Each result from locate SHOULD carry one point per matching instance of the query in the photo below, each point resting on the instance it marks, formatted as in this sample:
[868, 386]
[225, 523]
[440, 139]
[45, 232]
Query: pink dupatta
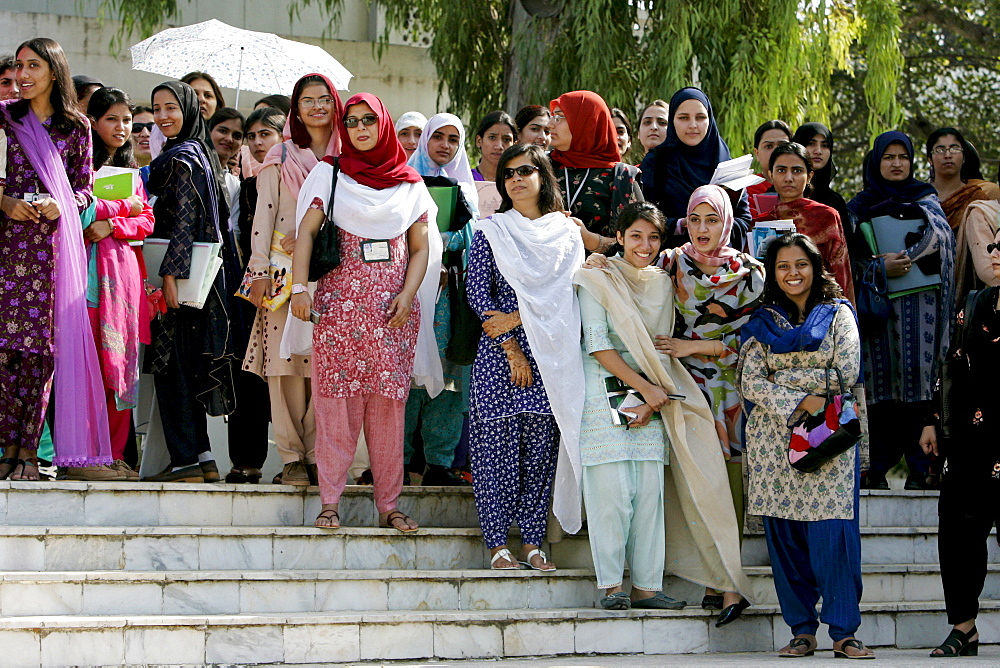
[81, 435]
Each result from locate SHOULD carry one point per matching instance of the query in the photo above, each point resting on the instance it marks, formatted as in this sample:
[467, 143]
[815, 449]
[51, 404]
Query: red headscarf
[383, 166]
[595, 142]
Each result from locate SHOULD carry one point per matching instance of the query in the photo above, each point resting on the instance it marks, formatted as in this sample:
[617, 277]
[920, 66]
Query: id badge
[375, 250]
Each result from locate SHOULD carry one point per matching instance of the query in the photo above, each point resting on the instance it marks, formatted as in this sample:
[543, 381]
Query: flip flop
[390, 519]
[527, 561]
[329, 514]
[504, 554]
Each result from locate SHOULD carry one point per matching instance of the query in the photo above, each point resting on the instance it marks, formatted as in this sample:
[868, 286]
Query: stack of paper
[205, 264]
[115, 182]
[735, 174]
[762, 233]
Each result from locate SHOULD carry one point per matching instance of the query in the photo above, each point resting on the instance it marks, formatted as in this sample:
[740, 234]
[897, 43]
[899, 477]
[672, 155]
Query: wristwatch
[298, 288]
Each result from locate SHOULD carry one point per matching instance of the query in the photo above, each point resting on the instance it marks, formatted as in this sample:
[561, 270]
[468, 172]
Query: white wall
[405, 78]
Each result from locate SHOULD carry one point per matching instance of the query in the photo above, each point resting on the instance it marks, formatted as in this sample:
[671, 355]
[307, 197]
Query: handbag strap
[333, 188]
[875, 276]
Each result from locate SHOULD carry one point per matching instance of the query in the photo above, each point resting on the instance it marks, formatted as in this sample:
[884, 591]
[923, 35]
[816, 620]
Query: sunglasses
[366, 120]
[992, 247]
[138, 127]
[524, 171]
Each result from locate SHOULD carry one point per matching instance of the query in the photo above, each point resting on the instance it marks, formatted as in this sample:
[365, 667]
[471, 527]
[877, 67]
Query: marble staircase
[111, 573]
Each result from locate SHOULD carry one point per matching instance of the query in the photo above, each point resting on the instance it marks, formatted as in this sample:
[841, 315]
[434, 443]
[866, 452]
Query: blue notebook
[891, 237]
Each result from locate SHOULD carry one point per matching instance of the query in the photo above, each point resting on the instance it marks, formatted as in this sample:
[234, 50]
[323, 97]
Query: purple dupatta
[81, 435]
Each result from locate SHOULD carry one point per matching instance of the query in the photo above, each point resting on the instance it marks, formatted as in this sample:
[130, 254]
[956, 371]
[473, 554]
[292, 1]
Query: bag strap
[333, 188]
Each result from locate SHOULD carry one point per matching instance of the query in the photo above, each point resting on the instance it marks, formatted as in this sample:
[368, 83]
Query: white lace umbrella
[236, 58]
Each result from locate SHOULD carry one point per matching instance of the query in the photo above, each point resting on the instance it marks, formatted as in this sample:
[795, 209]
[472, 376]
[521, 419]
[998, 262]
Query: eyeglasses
[310, 102]
[992, 247]
[366, 120]
[558, 118]
[941, 150]
[139, 127]
[524, 171]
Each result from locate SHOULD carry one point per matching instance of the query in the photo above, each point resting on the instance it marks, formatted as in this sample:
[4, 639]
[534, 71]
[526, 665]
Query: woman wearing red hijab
[595, 183]
[375, 310]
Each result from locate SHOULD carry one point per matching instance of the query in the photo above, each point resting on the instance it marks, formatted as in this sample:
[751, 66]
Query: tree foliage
[861, 66]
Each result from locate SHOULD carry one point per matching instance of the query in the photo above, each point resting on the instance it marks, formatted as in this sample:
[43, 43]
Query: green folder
[446, 199]
[115, 183]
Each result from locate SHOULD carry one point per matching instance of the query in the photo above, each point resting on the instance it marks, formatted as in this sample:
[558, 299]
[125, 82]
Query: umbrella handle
[239, 79]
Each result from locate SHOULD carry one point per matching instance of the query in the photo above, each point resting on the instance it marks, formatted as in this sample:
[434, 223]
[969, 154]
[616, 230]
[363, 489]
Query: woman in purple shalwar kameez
[44, 331]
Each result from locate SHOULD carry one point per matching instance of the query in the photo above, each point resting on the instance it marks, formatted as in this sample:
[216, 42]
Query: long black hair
[549, 197]
[495, 118]
[799, 151]
[527, 114]
[824, 287]
[65, 116]
[100, 102]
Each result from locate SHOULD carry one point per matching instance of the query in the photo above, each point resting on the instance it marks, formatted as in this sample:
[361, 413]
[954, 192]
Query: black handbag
[326, 246]
[874, 309]
[840, 424]
[466, 327]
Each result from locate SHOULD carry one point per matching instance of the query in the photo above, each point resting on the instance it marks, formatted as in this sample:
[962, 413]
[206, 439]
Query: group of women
[681, 332]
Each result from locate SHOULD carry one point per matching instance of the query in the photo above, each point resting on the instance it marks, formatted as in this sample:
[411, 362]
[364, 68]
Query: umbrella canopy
[236, 58]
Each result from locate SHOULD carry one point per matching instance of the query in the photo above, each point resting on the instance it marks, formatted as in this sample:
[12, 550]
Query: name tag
[375, 250]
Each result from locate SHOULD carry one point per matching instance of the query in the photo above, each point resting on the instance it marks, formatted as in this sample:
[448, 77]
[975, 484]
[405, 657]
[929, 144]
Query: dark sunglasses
[992, 247]
[524, 171]
[366, 120]
[138, 127]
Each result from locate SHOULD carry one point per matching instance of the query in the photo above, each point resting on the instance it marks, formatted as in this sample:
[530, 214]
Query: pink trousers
[338, 426]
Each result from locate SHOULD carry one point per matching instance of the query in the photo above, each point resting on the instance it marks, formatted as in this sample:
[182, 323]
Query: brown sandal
[395, 516]
[328, 514]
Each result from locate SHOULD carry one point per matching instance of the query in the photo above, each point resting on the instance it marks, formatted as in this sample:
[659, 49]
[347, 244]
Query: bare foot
[26, 469]
[328, 517]
[801, 645]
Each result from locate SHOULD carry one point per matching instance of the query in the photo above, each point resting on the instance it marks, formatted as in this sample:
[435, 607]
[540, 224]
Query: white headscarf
[411, 119]
[457, 168]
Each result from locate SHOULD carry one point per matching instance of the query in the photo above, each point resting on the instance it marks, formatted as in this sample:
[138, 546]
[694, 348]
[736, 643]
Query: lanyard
[577, 193]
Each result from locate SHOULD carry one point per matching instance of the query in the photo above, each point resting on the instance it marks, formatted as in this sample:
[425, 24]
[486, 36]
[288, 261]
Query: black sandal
[329, 514]
[958, 644]
[711, 602]
[392, 517]
[792, 651]
[856, 644]
[12, 462]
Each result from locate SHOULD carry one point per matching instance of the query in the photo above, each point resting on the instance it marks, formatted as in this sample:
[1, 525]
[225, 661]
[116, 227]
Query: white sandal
[527, 561]
[504, 554]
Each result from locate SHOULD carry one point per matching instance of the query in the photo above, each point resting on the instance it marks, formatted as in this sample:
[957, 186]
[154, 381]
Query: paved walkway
[989, 655]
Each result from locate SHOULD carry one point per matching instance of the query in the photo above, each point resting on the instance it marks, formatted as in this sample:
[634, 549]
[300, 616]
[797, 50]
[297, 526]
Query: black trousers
[894, 429]
[968, 509]
[248, 423]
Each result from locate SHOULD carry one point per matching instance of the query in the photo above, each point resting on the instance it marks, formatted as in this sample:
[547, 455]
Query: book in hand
[763, 232]
[893, 235]
[736, 174]
[113, 183]
[205, 264]
[621, 396]
[280, 273]
[764, 202]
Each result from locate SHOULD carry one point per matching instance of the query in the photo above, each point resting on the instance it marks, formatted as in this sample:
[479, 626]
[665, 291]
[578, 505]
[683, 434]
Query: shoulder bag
[817, 439]
[326, 246]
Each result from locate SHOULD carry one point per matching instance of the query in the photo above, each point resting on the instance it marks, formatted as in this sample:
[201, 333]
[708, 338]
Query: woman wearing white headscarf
[409, 127]
[442, 161]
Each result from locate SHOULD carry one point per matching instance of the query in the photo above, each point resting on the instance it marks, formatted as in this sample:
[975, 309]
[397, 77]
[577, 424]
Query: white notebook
[205, 264]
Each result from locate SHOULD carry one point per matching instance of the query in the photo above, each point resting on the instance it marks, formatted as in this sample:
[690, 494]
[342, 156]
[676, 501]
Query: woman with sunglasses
[970, 491]
[520, 283]
[309, 135]
[595, 183]
[375, 310]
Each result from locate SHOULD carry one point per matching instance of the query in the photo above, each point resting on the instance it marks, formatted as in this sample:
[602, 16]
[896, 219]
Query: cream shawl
[703, 542]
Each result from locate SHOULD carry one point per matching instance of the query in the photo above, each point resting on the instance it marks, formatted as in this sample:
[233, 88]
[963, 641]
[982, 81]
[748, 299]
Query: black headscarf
[673, 170]
[878, 190]
[821, 190]
[194, 127]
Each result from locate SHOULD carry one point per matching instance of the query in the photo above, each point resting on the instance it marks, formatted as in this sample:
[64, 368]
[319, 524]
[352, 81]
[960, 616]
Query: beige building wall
[404, 78]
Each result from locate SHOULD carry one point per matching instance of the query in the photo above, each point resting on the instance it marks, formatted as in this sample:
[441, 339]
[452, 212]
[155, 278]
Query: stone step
[103, 548]
[175, 504]
[309, 638]
[63, 503]
[246, 592]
